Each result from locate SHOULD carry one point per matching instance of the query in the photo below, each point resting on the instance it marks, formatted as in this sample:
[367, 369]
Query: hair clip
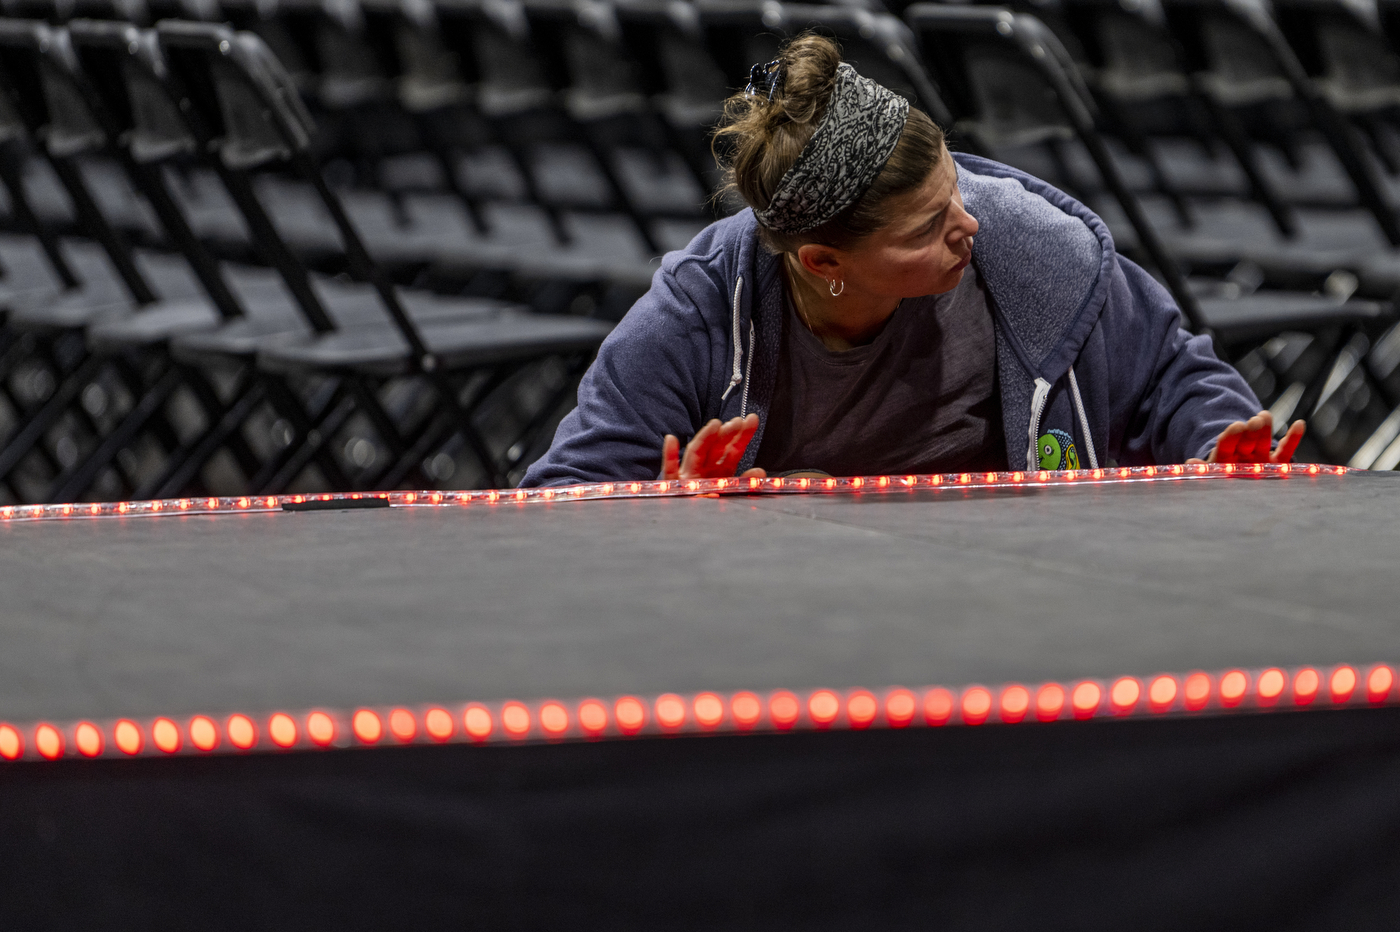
[765, 77]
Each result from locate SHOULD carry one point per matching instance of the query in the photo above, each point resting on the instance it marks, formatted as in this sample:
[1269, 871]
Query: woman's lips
[964, 263]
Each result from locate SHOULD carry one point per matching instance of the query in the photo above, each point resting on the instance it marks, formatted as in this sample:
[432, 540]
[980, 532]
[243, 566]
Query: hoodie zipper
[748, 367]
[1042, 392]
[738, 375]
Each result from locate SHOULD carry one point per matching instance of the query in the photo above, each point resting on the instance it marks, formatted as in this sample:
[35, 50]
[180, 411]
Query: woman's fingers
[1289, 443]
[758, 472]
[1227, 443]
[671, 457]
[716, 451]
[697, 452]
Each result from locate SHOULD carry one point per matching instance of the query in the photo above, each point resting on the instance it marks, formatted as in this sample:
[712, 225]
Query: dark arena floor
[950, 702]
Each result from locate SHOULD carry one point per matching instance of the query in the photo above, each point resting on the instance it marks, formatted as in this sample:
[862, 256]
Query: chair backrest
[1005, 76]
[585, 58]
[668, 44]
[246, 92]
[413, 51]
[496, 52]
[259, 114]
[1129, 49]
[127, 70]
[37, 62]
[1344, 47]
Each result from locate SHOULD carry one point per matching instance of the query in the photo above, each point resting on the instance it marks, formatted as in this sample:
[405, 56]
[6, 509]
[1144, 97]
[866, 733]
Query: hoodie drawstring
[1083, 420]
[737, 375]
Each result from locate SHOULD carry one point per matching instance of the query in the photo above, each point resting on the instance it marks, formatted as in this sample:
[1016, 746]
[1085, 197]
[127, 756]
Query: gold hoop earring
[831, 286]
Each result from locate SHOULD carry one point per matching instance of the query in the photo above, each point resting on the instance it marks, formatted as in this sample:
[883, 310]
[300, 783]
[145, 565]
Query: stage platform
[1160, 698]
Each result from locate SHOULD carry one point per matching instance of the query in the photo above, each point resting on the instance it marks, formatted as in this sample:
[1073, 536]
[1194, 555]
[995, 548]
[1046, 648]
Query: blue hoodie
[1090, 349]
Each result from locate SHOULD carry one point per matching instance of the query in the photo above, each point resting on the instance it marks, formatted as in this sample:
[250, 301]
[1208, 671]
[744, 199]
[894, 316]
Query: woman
[847, 323]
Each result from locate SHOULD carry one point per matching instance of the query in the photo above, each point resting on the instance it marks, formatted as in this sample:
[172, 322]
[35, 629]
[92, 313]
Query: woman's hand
[1252, 442]
[714, 453]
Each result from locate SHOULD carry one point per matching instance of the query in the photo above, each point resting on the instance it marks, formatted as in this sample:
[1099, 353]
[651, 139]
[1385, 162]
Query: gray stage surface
[106, 617]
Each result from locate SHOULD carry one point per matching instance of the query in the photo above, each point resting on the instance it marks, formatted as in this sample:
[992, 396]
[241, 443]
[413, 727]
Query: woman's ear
[822, 261]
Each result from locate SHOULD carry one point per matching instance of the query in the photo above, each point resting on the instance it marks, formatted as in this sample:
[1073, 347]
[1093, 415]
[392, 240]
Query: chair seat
[153, 324]
[493, 339]
[73, 309]
[1265, 313]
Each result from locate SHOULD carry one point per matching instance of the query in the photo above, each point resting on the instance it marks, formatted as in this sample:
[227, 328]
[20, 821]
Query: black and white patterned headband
[857, 133]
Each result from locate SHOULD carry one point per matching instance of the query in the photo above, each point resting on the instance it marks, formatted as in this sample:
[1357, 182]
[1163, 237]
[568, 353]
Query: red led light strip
[513, 722]
[663, 488]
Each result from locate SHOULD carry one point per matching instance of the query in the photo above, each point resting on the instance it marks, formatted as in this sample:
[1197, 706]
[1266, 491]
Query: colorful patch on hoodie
[1056, 450]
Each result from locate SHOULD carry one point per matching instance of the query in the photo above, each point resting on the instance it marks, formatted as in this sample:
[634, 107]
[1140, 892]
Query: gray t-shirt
[920, 398]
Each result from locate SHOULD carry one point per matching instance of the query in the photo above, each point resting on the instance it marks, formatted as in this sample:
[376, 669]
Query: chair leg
[186, 463]
[71, 486]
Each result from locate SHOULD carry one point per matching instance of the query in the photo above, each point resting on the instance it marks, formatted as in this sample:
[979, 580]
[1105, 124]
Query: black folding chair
[463, 350]
[40, 76]
[517, 93]
[1242, 60]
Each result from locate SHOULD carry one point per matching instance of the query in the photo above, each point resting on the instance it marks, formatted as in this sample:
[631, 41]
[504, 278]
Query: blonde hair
[764, 138]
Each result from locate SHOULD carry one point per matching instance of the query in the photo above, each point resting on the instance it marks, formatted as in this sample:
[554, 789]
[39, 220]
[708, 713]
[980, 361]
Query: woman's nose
[964, 224]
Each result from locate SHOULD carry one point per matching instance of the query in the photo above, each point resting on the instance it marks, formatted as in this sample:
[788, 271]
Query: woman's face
[922, 251]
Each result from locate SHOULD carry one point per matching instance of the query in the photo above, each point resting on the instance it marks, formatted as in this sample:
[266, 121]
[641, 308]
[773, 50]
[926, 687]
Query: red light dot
[782, 709]
[477, 722]
[965, 478]
[1197, 691]
[1085, 699]
[402, 725]
[1233, 686]
[899, 708]
[670, 711]
[938, 706]
[1378, 683]
[1270, 686]
[1049, 702]
[366, 726]
[857, 482]
[48, 742]
[830, 483]
[1161, 693]
[1015, 703]
[1125, 694]
[991, 477]
[592, 716]
[1342, 684]
[320, 728]
[11, 743]
[746, 708]
[823, 707]
[127, 737]
[777, 483]
[861, 708]
[242, 733]
[282, 729]
[882, 481]
[1305, 686]
[438, 724]
[630, 715]
[1042, 476]
[976, 705]
[95, 509]
[554, 718]
[515, 719]
[165, 735]
[753, 483]
[709, 710]
[88, 739]
[203, 733]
